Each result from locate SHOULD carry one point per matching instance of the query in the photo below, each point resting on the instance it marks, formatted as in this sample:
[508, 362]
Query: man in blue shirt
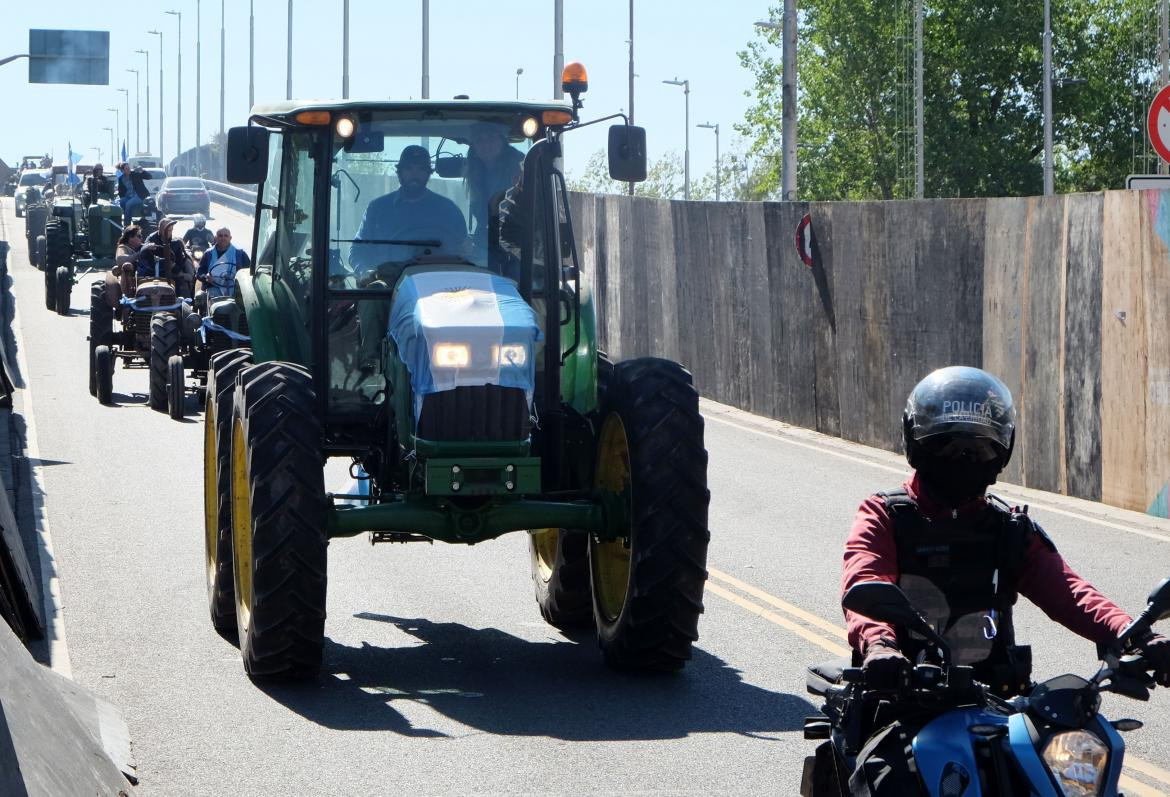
[217, 269]
[408, 222]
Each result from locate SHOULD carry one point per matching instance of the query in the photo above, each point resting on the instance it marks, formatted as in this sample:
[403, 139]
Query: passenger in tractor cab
[126, 258]
[217, 269]
[411, 213]
[492, 168]
[166, 258]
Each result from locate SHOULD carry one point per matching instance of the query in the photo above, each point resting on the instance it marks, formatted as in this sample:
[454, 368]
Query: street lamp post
[686, 84]
[787, 98]
[113, 152]
[251, 55]
[426, 49]
[519, 72]
[221, 67]
[179, 90]
[198, 79]
[345, 50]
[117, 127]
[288, 87]
[127, 93]
[715, 127]
[137, 113]
[147, 54]
[1048, 180]
[160, 96]
[558, 47]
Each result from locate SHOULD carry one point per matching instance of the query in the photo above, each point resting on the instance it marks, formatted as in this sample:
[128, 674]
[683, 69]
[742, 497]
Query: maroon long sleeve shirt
[1046, 579]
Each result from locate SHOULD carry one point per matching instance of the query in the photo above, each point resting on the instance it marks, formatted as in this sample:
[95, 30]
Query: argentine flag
[464, 328]
[74, 158]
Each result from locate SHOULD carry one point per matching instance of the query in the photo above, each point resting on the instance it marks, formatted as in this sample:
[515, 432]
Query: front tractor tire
[103, 370]
[101, 327]
[64, 290]
[648, 585]
[560, 575]
[58, 254]
[164, 344]
[217, 500]
[278, 522]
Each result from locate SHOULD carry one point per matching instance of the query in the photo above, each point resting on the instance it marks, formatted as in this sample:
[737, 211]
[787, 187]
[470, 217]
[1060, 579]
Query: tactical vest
[961, 573]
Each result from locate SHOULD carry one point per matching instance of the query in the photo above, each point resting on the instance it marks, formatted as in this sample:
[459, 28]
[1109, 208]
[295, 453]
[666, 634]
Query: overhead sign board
[1139, 181]
[69, 56]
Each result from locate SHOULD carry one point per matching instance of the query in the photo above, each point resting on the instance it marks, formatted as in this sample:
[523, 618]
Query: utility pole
[558, 47]
[147, 54]
[1048, 181]
[919, 123]
[160, 96]
[426, 49]
[345, 50]
[630, 188]
[788, 111]
[288, 89]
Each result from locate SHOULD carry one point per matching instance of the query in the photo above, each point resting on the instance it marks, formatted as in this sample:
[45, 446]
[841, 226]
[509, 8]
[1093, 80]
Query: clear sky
[475, 48]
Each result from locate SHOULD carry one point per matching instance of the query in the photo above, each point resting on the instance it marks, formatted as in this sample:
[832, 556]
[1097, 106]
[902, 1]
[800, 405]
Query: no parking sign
[804, 239]
[1158, 123]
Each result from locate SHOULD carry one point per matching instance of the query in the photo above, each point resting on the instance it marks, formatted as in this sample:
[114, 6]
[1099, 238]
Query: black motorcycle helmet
[959, 428]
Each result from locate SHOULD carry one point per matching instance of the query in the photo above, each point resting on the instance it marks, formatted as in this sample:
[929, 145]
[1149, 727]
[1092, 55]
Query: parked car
[37, 178]
[184, 196]
[154, 179]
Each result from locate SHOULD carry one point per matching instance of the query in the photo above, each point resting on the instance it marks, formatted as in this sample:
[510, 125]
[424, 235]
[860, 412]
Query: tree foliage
[982, 96]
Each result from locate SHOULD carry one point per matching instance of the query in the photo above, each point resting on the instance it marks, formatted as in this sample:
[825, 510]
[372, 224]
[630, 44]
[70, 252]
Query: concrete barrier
[1062, 297]
[238, 198]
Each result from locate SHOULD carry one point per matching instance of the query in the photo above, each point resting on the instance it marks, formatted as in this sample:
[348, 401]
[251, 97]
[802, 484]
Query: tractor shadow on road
[498, 683]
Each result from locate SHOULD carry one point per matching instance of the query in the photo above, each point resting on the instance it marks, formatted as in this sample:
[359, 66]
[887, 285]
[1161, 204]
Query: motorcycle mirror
[1158, 604]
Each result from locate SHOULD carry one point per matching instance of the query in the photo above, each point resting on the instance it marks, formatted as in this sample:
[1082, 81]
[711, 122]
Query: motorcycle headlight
[1077, 759]
[510, 354]
[451, 355]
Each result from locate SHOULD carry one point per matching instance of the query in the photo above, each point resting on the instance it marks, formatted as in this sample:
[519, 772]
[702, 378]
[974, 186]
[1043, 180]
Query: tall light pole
[137, 114]
[558, 47]
[221, 67]
[198, 80]
[345, 50]
[631, 185]
[288, 88]
[714, 127]
[251, 55]
[519, 72]
[787, 98]
[686, 84]
[426, 49]
[1048, 181]
[919, 111]
[98, 150]
[160, 97]
[113, 152]
[127, 93]
[147, 54]
[117, 127]
[179, 90]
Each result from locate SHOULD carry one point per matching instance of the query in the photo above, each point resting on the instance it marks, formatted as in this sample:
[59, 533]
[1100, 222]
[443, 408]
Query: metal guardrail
[238, 198]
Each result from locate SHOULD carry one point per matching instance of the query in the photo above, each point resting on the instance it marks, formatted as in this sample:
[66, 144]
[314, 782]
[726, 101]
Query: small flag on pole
[74, 158]
[123, 150]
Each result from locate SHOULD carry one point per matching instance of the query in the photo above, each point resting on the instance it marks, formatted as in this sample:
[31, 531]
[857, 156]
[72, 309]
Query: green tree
[982, 96]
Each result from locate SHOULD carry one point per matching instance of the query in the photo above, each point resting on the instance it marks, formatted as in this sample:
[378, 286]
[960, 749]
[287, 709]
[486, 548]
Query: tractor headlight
[1077, 759]
[451, 355]
[510, 354]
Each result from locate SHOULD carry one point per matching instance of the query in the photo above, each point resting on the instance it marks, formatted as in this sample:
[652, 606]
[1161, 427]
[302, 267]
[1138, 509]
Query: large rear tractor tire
[217, 481]
[103, 368]
[648, 585]
[101, 326]
[164, 343]
[58, 252]
[278, 522]
[64, 290]
[176, 388]
[560, 574]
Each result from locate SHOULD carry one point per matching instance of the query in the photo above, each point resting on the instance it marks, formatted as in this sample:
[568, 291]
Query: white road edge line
[1005, 489]
[50, 584]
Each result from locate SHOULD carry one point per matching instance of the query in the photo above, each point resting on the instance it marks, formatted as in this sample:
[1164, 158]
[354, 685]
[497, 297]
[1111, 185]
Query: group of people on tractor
[160, 255]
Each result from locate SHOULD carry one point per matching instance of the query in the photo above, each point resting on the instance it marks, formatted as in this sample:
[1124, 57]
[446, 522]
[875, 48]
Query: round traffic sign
[1158, 123]
[804, 240]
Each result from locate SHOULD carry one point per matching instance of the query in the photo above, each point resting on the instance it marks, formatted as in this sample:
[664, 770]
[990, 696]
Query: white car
[29, 178]
[154, 179]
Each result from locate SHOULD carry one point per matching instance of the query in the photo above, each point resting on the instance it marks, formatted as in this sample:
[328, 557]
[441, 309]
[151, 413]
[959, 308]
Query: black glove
[1156, 649]
[885, 667]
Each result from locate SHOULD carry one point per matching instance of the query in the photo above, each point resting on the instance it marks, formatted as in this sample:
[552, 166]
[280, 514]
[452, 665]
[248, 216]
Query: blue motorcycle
[1051, 742]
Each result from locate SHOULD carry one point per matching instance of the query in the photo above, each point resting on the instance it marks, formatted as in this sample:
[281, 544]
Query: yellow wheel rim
[611, 560]
[210, 491]
[241, 527]
[545, 543]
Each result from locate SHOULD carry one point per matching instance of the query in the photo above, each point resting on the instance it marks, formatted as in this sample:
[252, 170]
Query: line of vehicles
[151, 327]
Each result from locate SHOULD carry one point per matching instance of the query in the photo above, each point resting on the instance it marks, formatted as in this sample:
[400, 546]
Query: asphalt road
[439, 675]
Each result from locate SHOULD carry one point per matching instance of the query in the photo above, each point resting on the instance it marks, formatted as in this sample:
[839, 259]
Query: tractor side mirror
[450, 166]
[627, 153]
[247, 155]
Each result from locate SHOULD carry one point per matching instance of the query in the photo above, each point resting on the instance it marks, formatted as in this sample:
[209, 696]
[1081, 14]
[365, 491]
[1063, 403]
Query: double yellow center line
[833, 638]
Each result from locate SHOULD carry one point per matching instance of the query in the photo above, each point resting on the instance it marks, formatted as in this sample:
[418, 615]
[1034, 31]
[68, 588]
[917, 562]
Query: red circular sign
[804, 239]
[1158, 123]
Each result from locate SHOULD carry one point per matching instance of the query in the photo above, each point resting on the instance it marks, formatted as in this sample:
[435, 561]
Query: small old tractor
[77, 238]
[35, 216]
[457, 373]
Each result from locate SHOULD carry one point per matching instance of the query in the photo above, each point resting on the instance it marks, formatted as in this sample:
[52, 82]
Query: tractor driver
[167, 258]
[411, 213]
[97, 186]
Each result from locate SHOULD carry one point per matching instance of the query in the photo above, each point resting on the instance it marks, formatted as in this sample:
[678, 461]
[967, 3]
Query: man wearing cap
[166, 258]
[97, 186]
[408, 222]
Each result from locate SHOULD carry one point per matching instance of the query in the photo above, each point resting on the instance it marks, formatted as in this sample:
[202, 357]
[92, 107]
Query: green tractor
[76, 237]
[457, 372]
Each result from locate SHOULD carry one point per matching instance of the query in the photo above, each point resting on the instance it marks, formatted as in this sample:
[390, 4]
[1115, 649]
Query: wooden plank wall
[1062, 297]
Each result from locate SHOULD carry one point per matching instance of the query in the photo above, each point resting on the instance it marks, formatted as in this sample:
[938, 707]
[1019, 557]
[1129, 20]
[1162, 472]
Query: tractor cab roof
[287, 111]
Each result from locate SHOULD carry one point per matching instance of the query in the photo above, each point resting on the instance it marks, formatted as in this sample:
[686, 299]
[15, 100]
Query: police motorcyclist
[198, 238]
[962, 558]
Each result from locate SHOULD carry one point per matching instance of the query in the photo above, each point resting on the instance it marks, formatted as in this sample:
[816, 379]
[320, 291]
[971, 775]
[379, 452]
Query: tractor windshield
[405, 187]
